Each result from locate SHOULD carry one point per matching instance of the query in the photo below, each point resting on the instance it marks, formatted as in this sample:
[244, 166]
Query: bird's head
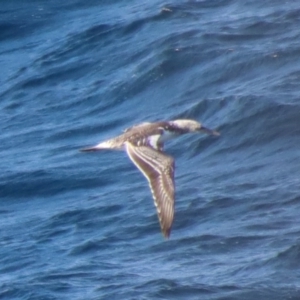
[193, 126]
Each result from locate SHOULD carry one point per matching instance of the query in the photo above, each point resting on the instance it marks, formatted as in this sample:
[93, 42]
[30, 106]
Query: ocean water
[83, 226]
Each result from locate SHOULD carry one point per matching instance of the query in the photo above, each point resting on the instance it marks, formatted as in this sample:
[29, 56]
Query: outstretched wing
[158, 168]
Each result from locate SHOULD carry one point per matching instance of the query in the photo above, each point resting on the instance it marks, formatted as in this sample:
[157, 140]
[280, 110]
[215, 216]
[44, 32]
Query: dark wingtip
[166, 233]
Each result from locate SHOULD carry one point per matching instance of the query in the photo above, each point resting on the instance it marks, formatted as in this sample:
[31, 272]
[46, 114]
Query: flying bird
[144, 144]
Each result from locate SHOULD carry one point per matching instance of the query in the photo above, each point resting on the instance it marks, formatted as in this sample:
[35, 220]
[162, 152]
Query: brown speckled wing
[158, 168]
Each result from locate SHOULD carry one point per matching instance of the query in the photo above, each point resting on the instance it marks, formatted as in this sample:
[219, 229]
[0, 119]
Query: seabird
[143, 144]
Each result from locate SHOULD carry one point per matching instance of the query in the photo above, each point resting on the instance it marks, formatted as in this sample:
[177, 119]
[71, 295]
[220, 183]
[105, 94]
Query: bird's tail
[101, 146]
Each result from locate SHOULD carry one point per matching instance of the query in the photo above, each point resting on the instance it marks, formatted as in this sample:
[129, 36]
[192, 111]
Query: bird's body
[144, 146]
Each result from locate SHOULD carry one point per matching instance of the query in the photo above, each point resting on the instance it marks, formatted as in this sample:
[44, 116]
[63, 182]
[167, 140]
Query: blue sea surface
[83, 226]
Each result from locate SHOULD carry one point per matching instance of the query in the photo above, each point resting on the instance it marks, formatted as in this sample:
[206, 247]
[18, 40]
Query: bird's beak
[209, 131]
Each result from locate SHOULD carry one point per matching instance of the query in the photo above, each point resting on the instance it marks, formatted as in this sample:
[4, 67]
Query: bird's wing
[158, 168]
[137, 125]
